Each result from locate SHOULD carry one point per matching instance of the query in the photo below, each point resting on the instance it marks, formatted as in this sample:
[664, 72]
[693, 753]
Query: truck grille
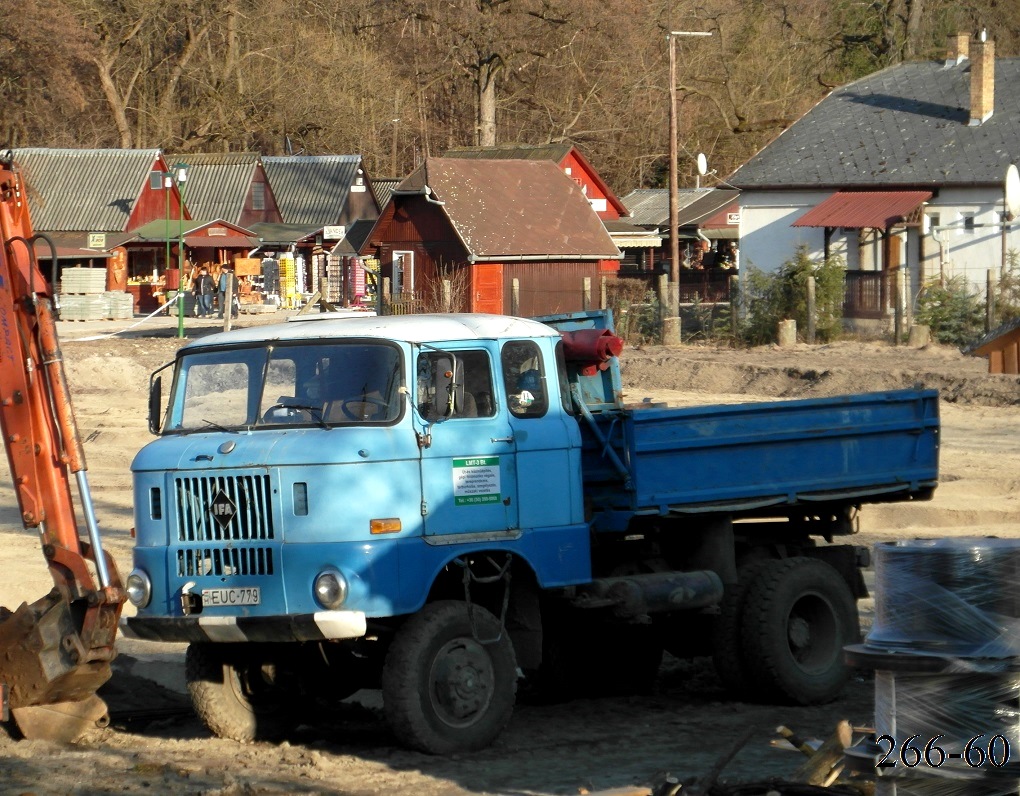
[224, 561]
[224, 508]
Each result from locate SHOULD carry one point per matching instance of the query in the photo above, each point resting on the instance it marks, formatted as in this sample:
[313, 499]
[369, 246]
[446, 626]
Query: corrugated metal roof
[384, 190]
[311, 189]
[282, 234]
[649, 207]
[863, 209]
[218, 183]
[699, 212]
[514, 208]
[84, 189]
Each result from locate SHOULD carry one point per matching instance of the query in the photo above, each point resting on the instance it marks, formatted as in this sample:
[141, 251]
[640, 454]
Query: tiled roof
[906, 125]
[311, 189]
[91, 190]
[514, 208]
[217, 184]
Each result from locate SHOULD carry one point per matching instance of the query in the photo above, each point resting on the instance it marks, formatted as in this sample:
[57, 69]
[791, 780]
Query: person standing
[204, 287]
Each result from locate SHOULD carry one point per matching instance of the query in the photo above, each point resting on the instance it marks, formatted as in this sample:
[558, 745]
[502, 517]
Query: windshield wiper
[218, 427]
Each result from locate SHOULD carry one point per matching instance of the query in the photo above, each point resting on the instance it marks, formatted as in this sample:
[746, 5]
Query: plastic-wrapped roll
[962, 726]
[958, 597]
[925, 787]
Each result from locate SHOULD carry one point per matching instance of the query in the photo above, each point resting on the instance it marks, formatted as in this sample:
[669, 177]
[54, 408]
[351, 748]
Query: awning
[866, 209]
[637, 241]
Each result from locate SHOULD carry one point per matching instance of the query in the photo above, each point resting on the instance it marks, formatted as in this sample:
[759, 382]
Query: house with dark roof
[635, 243]
[322, 190]
[88, 201]
[231, 186]
[900, 172]
[708, 222]
[512, 235]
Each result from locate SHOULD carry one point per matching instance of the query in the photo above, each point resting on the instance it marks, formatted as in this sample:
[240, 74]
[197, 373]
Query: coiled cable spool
[957, 597]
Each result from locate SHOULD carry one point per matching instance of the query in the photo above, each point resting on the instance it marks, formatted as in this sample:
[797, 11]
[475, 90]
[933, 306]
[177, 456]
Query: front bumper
[319, 626]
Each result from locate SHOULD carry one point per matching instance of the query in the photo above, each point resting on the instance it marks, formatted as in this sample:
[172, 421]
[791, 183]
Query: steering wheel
[292, 413]
[364, 408]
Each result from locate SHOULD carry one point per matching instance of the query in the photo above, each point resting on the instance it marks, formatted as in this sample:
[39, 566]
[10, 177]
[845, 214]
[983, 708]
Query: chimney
[982, 81]
[957, 49]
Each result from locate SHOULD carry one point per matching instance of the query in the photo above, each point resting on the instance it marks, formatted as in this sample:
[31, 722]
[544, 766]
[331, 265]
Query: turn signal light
[388, 525]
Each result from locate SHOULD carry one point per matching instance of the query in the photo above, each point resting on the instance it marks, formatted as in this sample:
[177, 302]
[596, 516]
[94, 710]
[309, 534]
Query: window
[402, 278]
[454, 384]
[967, 223]
[155, 180]
[524, 379]
[258, 196]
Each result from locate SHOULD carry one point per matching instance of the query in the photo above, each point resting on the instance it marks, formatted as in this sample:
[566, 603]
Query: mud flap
[46, 663]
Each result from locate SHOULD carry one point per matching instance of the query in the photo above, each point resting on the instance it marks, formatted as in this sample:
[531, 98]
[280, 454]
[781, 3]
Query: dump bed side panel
[747, 456]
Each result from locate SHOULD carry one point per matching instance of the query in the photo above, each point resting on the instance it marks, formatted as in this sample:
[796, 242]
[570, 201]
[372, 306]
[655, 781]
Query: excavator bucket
[52, 674]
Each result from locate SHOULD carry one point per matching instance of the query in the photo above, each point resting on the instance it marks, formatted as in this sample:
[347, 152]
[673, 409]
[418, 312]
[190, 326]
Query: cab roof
[407, 328]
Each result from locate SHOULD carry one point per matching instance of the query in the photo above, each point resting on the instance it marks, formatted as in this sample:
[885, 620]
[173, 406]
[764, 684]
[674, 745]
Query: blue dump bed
[871, 447]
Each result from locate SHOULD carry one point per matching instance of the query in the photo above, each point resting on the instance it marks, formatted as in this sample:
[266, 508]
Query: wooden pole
[989, 300]
[603, 293]
[586, 293]
[515, 297]
[811, 310]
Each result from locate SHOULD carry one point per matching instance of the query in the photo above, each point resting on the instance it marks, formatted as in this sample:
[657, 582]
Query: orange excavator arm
[56, 652]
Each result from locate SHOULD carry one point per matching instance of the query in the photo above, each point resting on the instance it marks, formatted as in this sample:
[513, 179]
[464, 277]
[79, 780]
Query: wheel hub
[462, 682]
[799, 633]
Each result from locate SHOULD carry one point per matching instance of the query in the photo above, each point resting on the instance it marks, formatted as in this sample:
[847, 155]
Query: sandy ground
[682, 726]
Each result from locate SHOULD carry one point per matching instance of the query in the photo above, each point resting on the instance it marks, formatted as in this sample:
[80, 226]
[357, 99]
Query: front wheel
[798, 616]
[233, 695]
[450, 679]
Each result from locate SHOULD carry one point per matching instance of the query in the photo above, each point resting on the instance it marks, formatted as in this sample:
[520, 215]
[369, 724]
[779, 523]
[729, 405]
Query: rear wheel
[728, 632]
[450, 679]
[233, 693]
[799, 615]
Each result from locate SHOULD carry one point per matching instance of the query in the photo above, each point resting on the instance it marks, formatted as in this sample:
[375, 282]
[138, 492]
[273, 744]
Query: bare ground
[155, 744]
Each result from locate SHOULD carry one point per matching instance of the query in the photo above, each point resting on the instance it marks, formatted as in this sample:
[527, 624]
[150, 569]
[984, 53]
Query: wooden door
[487, 288]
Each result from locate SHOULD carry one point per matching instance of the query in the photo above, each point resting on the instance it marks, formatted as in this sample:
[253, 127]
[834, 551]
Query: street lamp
[674, 205]
[180, 175]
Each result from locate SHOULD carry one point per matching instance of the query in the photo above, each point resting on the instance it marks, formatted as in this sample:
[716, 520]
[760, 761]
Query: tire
[444, 691]
[230, 695]
[799, 615]
[728, 633]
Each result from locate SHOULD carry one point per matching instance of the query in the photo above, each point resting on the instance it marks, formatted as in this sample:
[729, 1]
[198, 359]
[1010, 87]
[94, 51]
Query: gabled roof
[512, 208]
[906, 125]
[384, 190]
[557, 153]
[162, 230]
[553, 152]
[218, 183]
[311, 189]
[73, 190]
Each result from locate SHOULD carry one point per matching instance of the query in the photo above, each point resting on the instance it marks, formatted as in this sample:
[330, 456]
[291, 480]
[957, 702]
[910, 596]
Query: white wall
[767, 239]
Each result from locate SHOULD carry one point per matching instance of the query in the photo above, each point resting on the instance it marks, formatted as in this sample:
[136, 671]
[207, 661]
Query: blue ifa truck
[445, 507]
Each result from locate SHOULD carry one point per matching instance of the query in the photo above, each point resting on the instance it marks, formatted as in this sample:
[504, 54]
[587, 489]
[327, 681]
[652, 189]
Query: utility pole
[671, 302]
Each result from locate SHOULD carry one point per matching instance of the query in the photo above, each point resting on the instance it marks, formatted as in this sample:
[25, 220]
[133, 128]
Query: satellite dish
[1012, 191]
[703, 166]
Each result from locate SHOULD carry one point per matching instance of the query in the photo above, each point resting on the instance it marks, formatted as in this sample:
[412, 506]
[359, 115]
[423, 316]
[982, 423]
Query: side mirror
[155, 404]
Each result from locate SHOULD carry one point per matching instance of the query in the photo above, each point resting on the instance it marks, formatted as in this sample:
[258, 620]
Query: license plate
[249, 595]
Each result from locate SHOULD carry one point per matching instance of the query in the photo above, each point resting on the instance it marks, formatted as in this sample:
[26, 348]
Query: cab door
[468, 467]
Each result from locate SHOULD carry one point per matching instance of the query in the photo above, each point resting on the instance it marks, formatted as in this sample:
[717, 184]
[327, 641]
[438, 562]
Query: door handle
[502, 439]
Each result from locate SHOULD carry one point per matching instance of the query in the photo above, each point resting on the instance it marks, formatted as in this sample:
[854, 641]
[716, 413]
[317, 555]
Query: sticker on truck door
[476, 481]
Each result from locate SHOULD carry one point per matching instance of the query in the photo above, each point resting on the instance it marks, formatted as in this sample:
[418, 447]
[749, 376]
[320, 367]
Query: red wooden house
[488, 225]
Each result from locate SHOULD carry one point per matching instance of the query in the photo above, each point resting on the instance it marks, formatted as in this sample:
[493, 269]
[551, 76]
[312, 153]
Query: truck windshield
[288, 384]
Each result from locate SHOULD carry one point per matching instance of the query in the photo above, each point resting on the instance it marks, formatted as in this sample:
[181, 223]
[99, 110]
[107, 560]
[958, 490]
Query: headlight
[139, 588]
[330, 589]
